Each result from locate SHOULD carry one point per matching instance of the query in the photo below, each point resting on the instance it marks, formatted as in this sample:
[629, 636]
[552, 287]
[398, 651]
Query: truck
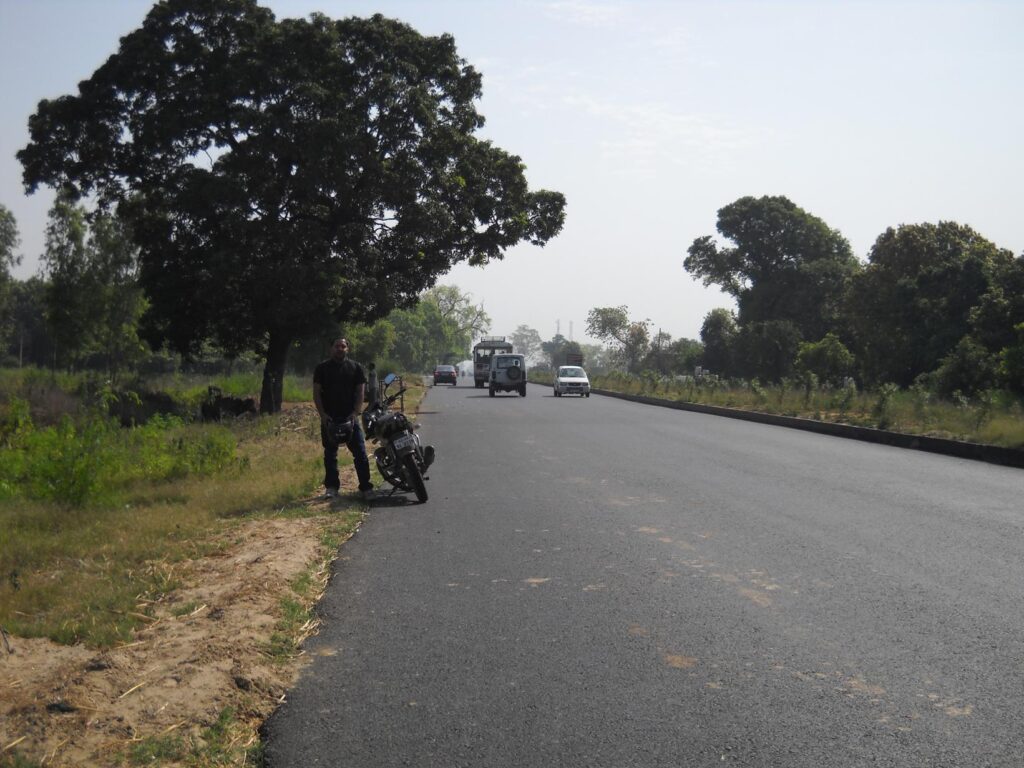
[483, 351]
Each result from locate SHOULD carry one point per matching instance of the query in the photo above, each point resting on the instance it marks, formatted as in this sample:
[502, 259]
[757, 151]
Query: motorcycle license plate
[405, 441]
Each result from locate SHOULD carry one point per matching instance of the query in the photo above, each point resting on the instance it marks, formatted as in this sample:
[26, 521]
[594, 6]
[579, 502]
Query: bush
[1011, 363]
[969, 368]
[827, 359]
[166, 449]
[883, 406]
[88, 462]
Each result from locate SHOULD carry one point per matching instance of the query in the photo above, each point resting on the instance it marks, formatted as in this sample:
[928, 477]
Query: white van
[571, 380]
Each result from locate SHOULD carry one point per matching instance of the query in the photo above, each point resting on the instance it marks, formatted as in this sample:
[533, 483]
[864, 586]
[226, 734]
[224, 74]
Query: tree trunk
[273, 373]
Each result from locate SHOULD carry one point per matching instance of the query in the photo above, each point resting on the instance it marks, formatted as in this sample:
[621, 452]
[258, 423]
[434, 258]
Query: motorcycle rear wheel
[414, 477]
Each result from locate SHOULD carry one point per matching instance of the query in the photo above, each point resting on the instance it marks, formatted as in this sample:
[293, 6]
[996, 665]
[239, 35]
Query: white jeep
[508, 374]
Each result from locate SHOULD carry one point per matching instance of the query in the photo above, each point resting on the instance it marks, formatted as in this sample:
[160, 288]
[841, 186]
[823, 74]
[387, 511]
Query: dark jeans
[357, 447]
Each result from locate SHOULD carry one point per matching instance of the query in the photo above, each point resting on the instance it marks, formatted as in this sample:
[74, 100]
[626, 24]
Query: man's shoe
[331, 493]
[368, 495]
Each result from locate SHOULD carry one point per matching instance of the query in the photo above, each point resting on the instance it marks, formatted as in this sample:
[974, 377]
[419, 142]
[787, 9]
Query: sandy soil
[66, 706]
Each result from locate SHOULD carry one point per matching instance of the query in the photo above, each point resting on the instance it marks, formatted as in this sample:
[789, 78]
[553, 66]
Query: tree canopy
[276, 173]
[438, 329]
[557, 348]
[92, 298]
[718, 334]
[914, 302]
[527, 341]
[786, 264]
[629, 338]
[465, 318]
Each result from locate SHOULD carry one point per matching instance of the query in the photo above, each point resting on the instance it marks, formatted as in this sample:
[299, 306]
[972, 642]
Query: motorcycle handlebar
[399, 393]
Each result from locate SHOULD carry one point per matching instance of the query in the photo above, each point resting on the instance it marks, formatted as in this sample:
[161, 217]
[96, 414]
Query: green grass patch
[158, 749]
[193, 388]
[91, 460]
[284, 641]
[184, 609]
[15, 760]
[217, 744]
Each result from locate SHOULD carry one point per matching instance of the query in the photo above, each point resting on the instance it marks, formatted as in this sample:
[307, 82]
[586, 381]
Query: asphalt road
[595, 582]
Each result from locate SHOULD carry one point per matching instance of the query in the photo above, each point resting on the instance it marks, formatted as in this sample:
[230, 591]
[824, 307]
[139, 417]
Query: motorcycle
[401, 459]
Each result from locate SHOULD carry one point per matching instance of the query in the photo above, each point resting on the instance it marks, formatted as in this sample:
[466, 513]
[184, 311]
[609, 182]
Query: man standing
[338, 388]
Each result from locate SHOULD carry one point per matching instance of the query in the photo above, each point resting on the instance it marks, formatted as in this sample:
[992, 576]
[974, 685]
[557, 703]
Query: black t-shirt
[338, 382]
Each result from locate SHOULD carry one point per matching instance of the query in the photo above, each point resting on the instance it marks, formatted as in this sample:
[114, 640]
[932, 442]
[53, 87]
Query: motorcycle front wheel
[414, 477]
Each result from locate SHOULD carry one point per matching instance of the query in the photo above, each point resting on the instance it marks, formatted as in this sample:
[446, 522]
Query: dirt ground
[71, 706]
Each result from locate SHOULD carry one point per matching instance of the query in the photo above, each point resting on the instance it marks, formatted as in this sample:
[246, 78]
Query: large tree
[718, 333]
[93, 299]
[31, 341]
[685, 355]
[785, 265]
[1001, 309]
[526, 341]
[438, 329]
[119, 298]
[70, 289]
[766, 350]
[279, 172]
[630, 339]
[914, 302]
[558, 348]
[461, 321]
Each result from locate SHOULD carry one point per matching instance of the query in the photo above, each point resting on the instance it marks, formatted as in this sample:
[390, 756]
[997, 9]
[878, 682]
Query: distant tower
[558, 327]
[570, 330]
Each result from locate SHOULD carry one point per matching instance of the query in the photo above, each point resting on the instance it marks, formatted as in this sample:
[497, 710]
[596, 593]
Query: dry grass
[130, 579]
[994, 419]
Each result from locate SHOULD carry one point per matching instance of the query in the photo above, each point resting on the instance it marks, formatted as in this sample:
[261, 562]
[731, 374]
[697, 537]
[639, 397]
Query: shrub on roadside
[79, 463]
[969, 369]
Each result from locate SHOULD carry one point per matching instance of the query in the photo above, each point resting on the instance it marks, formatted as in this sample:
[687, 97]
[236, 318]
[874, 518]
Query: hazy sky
[650, 116]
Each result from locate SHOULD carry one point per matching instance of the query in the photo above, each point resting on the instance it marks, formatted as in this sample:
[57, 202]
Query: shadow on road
[398, 499]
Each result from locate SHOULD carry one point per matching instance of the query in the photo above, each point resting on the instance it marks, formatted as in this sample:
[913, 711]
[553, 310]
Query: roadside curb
[1009, 457]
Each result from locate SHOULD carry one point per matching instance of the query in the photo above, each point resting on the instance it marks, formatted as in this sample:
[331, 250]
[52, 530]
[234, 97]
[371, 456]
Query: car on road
[571, 380]
[508, 374]
[446, 374]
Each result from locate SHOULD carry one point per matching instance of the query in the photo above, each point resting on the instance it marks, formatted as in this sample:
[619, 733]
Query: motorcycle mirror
[389, 379]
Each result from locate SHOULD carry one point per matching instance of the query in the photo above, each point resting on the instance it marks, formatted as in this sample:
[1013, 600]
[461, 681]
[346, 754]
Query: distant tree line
[936, 305]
